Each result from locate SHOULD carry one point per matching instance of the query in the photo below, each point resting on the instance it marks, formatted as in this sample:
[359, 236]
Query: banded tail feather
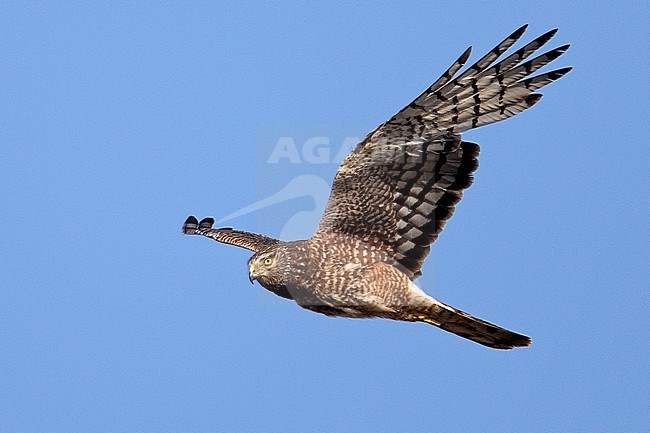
[467, 326]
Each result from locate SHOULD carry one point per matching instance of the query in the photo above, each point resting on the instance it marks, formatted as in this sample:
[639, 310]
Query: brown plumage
[392, 196]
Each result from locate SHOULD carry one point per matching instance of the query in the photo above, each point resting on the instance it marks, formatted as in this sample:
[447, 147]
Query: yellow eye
[268, 261]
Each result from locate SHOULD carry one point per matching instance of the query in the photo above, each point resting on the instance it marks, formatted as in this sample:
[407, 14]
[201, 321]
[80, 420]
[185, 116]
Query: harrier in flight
[392, 196]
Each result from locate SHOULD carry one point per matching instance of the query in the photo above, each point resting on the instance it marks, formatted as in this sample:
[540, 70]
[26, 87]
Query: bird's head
[265, 267]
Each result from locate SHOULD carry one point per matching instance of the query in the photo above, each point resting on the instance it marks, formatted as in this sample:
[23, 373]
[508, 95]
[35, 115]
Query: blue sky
[119, 120]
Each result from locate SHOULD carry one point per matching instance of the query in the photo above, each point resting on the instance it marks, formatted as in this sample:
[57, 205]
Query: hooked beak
[251, 274]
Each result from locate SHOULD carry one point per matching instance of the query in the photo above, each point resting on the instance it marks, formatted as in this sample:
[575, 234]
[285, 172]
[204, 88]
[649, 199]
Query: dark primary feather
[400, 185]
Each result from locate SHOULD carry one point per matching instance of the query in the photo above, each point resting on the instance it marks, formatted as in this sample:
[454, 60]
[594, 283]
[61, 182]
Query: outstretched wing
[250, 241]
[401, 183]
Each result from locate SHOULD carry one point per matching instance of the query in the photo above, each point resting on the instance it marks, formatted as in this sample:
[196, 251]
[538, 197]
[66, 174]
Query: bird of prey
[392, 196]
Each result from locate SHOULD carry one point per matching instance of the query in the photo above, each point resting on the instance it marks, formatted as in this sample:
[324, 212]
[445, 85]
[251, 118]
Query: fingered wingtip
[206, 223]
[563, 49]
[190, 225]
[520, 31]
[541, 40]
[463, 57]
[557, 52]
[533, 99]
[559, 73]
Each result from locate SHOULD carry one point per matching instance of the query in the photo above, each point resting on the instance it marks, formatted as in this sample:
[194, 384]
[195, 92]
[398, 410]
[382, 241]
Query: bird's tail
[460, 323]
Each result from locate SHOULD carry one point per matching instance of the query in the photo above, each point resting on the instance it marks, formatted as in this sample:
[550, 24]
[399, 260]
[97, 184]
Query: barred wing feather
[401, 183]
